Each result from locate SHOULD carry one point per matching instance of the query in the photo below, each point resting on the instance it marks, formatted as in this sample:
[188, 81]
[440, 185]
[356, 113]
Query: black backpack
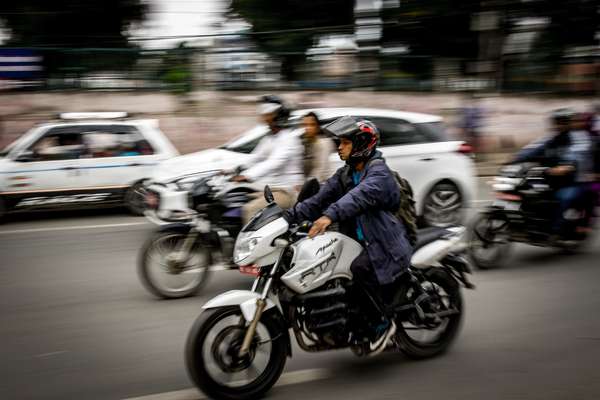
[406, 211]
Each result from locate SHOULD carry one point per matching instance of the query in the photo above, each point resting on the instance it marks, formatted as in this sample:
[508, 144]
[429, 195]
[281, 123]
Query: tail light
[465, 149]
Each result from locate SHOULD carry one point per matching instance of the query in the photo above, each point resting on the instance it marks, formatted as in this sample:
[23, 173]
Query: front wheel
[135, 198]
[167, 273]
[489, 241]
[429, 335]
[213, 361]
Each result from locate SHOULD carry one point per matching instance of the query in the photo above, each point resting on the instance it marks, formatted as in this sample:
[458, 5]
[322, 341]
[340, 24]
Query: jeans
[567, 198]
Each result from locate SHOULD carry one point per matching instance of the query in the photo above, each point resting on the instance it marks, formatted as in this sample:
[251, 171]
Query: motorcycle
[524, 211]
[239, 344]
[198, 220]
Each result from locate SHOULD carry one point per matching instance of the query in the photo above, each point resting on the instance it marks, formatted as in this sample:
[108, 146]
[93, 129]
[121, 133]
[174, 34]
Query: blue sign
[20, 64]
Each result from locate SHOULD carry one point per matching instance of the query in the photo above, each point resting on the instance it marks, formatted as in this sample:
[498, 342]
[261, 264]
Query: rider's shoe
[384, 334]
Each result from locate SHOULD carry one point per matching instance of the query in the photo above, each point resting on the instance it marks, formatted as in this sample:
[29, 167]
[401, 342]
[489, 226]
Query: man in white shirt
[276, 161]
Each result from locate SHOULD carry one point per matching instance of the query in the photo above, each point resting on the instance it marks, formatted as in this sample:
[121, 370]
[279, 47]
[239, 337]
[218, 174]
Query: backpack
[406, 211]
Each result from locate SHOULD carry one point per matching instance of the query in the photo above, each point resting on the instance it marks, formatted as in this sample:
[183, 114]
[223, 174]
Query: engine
[321, 317]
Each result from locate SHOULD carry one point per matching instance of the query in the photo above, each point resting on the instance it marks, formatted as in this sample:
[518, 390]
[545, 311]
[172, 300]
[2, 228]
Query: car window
[247, 141]
[64, 143]
[90, 141]
[114, 141]
[433, 130]
[395, 131]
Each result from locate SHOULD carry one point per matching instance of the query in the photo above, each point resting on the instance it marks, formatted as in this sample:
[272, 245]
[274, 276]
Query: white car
[83, 159]
[441, 172]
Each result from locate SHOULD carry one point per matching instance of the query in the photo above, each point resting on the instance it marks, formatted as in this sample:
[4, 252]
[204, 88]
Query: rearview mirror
[269, 195]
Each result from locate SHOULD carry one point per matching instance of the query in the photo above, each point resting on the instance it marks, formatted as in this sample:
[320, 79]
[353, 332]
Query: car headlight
[244, 246]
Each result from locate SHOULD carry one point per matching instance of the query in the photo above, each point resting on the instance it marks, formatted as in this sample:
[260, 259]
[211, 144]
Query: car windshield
[268, 214]
[247, 141]
[4, 152]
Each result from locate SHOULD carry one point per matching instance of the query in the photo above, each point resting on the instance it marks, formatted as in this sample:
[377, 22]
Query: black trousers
[371, 296]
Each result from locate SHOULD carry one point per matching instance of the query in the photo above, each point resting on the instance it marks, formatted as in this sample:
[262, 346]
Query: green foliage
[277, 15]
[70, 23]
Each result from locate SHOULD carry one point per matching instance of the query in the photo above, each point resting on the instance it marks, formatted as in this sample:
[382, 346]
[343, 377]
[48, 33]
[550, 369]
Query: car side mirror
[269, 195]
[25, 156]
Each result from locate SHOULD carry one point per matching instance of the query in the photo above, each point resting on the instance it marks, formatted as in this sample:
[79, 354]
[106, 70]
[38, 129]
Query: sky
[180, 17]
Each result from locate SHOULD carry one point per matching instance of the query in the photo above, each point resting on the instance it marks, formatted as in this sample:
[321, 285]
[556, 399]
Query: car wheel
[2, 209]
[443, 206]
[135, 198]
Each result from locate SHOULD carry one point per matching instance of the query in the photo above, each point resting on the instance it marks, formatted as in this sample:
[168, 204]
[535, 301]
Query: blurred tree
[70, 23]
[437, 28]
[279, 15]
[74, 24]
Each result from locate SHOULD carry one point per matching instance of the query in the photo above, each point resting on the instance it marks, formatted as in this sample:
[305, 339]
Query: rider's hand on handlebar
[239, 178]
[319, 226]
[561, 170]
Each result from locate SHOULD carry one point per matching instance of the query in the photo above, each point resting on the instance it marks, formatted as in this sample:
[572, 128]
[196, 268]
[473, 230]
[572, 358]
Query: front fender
[243, 298]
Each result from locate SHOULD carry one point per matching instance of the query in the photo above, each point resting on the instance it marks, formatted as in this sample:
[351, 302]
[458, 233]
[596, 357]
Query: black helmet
[562, 115]
[363, 134]
[271, 104]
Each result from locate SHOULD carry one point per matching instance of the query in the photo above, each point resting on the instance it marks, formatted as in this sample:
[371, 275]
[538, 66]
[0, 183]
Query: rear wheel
[489, 241]
[165, 273]
[423, 337]
[443, 206]
[2, 209]
[213, 361]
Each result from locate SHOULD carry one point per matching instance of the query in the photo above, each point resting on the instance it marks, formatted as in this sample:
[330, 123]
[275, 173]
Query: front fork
[261, 303]
[200, 226]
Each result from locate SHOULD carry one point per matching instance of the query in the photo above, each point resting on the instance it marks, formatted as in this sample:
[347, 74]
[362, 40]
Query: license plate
[507, 205]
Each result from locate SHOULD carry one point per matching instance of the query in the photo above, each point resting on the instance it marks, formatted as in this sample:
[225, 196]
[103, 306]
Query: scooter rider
[568, 154]
[276, 161]
[360, 198]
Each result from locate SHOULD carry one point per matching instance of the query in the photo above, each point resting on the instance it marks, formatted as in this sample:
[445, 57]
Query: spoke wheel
[489, 241]
[165, 273]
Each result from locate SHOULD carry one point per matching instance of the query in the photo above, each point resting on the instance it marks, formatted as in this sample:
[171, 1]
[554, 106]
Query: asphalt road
[75, 323]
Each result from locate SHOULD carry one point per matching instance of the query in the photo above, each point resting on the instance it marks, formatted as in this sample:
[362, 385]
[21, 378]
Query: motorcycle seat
[428, 235]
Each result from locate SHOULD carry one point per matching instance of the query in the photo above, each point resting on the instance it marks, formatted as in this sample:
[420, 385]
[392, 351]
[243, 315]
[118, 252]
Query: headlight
[244, 246]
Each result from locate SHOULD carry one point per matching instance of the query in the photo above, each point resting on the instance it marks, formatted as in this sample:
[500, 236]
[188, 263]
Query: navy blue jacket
[570, 148]
[371, 203]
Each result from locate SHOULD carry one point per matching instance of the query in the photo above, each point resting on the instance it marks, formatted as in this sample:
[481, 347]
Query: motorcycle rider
[568, 154]
[361, 197]
[276, 161]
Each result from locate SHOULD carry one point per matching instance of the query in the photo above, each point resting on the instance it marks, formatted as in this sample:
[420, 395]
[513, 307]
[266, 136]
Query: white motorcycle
[239, 344]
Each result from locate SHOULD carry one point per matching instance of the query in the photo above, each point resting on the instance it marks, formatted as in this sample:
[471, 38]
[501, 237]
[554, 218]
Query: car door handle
[427, 159]
[135, 164]
[69, 168]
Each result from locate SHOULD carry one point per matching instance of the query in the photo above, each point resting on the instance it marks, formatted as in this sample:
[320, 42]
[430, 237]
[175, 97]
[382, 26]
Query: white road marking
[53, 353]
[290, 378]
[68, 228]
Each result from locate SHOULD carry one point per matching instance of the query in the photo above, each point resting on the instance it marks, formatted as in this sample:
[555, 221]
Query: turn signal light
[253, 270]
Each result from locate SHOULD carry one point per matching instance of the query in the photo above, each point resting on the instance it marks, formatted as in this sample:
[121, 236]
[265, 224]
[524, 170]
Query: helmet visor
[344, 127]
